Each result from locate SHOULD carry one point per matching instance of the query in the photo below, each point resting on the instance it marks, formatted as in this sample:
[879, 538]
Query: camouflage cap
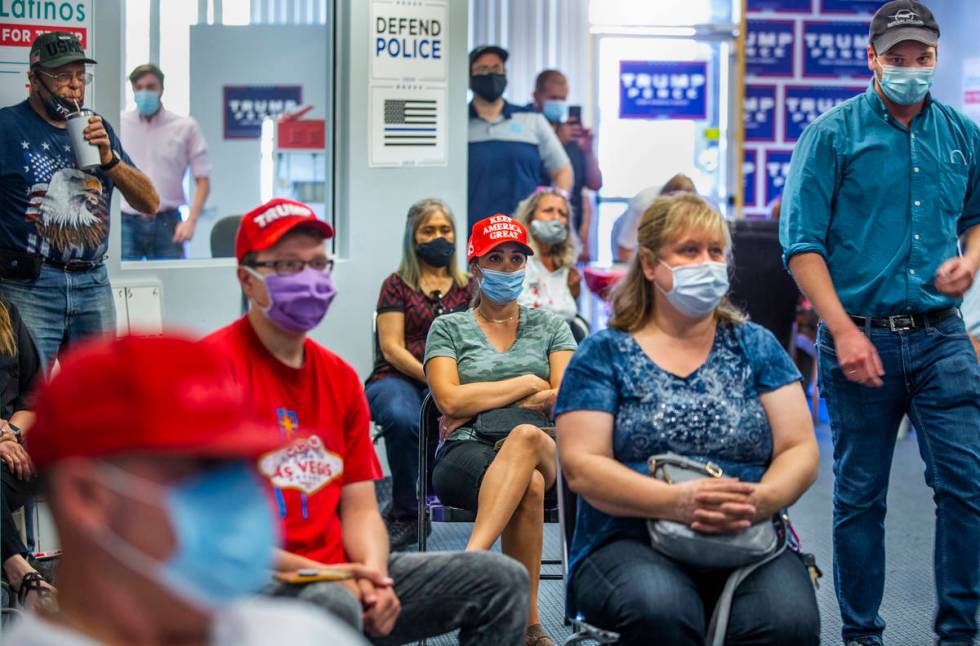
[57, 48]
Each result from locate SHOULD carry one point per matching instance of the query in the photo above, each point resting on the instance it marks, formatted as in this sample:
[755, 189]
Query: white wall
[371, 202]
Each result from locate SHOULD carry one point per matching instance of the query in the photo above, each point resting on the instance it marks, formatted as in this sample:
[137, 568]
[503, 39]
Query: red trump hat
[146, 395]
[494, 231]
[265, 225]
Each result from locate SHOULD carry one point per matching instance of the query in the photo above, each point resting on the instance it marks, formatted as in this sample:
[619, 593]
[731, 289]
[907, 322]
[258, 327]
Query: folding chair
[429, 506]
[580, 328]
[376, 431]
[567, 508]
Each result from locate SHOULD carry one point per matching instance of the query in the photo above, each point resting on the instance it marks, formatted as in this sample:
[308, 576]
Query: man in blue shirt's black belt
[882, 192]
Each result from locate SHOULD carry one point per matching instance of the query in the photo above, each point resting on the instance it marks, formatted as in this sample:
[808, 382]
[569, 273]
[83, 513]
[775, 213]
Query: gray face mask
[550, 232]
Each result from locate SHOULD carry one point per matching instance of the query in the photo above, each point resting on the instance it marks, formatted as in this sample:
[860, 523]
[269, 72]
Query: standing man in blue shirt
[880, 189]
[54, 217]
[508, 143]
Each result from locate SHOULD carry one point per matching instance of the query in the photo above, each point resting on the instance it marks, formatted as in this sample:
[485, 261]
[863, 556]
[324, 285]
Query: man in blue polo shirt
[880, 188]
[508, 143]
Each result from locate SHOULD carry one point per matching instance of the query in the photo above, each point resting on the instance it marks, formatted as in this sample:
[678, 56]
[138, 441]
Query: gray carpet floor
[909, 602]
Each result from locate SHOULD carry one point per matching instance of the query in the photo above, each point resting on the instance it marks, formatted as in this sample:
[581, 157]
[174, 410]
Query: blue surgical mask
[555, 111]
[224, 527]
[906, 85]
[502, 286]
[147, 102]
[698, 289]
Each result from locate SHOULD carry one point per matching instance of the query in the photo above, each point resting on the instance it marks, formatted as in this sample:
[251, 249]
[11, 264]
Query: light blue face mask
[224, 528]
[555, 111]
[698, 289]
[147, 102]
[906, 85]
[502, 286]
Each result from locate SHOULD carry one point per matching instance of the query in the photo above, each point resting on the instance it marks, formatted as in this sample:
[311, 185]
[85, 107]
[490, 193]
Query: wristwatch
[18, 434]
[112, 162]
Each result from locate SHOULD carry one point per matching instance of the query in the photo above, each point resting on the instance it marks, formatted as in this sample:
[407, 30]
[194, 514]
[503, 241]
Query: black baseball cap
[477, 52]
[903, 20]
[143, 70]
[57, 48]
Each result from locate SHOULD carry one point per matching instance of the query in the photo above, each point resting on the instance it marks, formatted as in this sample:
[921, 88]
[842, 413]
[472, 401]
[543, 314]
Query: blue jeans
[931, 374]
[395, 403]
[61, 307]
[151, 238]
[627, 587]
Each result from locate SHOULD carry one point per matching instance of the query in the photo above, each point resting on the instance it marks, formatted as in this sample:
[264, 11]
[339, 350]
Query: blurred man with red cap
[323, 481]
[164, 524]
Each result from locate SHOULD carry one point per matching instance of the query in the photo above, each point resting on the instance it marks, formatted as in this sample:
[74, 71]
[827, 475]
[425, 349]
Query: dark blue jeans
[395, 403]
[151, 238]
[61, 307]
[647, 598]
[931, 374]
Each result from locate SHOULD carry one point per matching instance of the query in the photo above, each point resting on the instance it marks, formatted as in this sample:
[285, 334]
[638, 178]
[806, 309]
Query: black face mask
[436, 252]
[56, 108]
[489, 87]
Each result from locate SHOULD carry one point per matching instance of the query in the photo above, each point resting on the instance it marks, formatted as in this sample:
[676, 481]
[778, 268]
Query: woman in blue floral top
[681, 371]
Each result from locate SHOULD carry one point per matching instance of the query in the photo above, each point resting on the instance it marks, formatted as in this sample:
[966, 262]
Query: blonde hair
[564, 254]
[8, 338]
[665, 221]
[418, 214]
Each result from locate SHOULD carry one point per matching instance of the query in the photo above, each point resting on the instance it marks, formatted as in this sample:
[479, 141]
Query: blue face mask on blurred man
[147, 102]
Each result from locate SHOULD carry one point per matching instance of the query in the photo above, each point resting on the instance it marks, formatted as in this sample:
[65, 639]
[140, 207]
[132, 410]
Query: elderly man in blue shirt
[881, 229]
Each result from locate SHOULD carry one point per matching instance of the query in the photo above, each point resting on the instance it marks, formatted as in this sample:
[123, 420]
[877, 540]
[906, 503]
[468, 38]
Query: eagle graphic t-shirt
[47, 205]
[322, 416]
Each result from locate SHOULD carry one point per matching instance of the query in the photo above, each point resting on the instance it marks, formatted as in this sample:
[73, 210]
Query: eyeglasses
[288, 267]
[64, 78]
[483, 70]
[438, 308]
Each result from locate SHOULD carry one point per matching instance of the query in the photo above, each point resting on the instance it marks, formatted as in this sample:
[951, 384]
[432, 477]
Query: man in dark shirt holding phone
[551, 99]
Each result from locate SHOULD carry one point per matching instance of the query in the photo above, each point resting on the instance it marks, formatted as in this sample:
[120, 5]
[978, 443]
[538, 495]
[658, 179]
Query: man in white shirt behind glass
[164, 145]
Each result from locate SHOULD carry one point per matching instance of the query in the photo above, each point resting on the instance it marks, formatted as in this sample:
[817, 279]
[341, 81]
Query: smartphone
[575, 113]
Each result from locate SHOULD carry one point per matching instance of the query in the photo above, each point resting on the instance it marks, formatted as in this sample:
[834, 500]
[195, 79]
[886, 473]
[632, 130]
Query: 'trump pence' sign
[663, 90]
[409, 40]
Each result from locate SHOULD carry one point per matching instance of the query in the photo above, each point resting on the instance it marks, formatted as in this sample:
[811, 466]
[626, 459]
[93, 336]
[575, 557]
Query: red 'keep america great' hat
[494, 231]
[265, 225]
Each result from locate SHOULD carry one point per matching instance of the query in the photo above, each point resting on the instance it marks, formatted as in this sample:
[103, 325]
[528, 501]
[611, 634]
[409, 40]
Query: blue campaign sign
[246, 106]
[760, 112]
[803, 104]
[782, 6]
[750, 163]
[769, 47]
[777, 169]
[663, 90]
[850, 6]
[835, 49]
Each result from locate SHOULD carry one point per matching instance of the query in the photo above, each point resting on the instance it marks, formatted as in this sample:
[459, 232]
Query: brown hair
[564, 254]
[547, 76]
[418, 215]
[8, 338]
[679, 183]
[665, 221]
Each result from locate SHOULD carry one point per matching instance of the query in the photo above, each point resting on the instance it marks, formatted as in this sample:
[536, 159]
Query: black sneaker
[404, 532]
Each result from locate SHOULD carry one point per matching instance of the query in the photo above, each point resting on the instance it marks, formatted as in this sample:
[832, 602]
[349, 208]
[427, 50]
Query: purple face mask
[299, 301]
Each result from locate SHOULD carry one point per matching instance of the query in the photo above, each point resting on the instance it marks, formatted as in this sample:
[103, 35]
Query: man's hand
[97, 135]
[16, 459]
[955, 276]
[584, 139]
[382, 612]
[858, 358]
[184, 231]
[567, 132]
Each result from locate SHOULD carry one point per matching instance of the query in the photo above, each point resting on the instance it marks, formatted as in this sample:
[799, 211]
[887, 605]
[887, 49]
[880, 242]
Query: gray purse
[743, 552]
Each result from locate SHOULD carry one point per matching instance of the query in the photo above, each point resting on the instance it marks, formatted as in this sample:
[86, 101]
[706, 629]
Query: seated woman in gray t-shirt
[496, 355]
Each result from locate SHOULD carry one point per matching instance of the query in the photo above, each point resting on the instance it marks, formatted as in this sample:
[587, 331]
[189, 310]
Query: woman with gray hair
[551, 281]
[428, 283]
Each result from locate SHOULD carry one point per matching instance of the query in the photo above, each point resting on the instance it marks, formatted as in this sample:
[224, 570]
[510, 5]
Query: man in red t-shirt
[323, 481]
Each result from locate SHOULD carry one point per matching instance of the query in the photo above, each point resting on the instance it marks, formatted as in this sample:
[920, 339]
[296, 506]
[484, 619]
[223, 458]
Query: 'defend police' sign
[760, 112]
[247, 106]
[782, 6]
[801, 105]
[850, 6]
[663, 90]
[835, 49]
[776, 171]
[409, 40]
[769, 47]
[750, 162]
